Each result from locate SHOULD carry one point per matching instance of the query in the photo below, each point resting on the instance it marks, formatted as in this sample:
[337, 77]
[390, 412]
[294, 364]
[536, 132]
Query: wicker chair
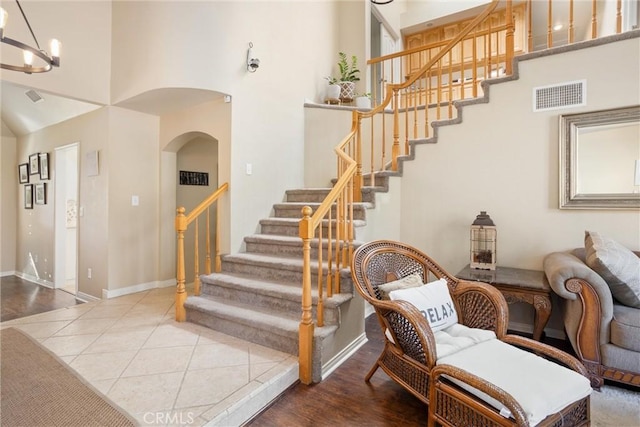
[409, 356]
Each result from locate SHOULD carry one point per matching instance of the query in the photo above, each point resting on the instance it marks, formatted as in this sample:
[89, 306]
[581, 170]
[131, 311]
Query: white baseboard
[107, 294]
[8, 273]
[81, 296]
[34, 279]
[527, 328]
[341, 357]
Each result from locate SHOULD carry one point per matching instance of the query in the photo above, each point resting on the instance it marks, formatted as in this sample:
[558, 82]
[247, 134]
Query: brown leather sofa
[604, 333]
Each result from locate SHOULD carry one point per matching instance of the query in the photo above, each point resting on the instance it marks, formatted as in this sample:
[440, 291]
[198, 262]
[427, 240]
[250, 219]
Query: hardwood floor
[20, 298]
[345, 399]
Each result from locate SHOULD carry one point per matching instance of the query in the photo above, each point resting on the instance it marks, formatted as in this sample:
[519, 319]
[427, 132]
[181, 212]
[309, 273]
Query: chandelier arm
[25, 69]
[28, 25]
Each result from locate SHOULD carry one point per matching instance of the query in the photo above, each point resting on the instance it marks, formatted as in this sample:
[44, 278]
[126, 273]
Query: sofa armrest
[559, 267]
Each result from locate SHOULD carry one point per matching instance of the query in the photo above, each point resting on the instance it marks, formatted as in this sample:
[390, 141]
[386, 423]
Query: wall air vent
[34, 96]
[562, 95]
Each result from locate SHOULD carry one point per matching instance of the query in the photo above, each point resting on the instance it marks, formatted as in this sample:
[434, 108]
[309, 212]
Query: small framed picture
[34, 164]
[23, 173]
[41, 193]
[44, 165]
[28, 196]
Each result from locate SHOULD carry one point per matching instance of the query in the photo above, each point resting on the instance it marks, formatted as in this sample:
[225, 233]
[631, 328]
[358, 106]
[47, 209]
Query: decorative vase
[347, 91]
[333, 92]
[363, 102]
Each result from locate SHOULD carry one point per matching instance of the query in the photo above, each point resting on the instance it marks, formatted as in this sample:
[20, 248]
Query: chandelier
[381, 1]
[29, 52]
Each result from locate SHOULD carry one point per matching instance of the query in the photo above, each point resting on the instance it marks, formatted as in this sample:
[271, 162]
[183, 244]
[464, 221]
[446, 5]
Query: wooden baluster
[594, 20]
[439, 90]
[181, 294]
[450, 100]
[474, 68]
[357, 188]
[406, 119]
[415, 109]
[509, 42]
[218, 264]
[549, 24]
[372, 176]
[529, 26]
[571, 27]
[207, 258]
[320, 307]
[196, 261]
[383, 152]
[618, 16]
[305, 330]
[395, 149]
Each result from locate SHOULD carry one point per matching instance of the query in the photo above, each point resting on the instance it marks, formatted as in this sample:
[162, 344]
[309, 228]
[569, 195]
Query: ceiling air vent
[562, 95]
[34, 96]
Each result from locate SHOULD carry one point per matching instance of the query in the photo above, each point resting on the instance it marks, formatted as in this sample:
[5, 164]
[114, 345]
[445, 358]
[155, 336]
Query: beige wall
[134, 170]
[9, 190]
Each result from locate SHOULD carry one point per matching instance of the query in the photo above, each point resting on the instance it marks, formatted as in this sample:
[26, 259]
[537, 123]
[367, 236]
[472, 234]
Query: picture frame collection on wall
[36, 192]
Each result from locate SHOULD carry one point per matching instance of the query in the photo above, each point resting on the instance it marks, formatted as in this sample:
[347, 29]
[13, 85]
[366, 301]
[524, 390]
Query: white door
[65, 174]
[391, 69]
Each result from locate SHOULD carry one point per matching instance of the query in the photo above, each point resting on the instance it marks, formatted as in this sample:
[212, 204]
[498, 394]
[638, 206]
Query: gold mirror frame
[570, 124]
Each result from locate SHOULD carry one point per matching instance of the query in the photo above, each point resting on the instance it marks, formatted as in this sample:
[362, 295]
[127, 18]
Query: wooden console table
[518, 285]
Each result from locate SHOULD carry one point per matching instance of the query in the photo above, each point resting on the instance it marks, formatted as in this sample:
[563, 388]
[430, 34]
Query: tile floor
[160, 371]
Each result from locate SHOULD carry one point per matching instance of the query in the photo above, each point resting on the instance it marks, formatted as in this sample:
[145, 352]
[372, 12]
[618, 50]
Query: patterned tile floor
[160, 371]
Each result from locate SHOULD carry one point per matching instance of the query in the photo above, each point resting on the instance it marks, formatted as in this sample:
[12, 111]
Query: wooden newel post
[181, 293]
[357, 181]
[305, 332]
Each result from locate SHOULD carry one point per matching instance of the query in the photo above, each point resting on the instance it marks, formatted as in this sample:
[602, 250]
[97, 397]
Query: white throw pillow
[410, 281]
[434, 302]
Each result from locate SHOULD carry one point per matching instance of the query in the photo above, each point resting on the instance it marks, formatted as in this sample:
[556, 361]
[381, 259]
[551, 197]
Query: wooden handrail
[182, 223]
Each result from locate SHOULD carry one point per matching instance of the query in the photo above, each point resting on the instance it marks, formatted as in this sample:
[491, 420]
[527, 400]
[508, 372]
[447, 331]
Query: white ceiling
[22, 116]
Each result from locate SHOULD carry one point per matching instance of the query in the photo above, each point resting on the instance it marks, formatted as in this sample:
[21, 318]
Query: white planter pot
[363, 102]
[333, 92]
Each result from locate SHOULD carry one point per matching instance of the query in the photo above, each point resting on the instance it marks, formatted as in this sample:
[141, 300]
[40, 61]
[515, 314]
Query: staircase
[257, 294]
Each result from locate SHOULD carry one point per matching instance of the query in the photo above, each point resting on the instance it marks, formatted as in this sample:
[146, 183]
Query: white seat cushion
[540, 386]
[458, 337]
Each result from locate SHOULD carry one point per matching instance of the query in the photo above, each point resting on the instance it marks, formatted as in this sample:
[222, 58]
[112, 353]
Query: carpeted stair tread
[289, 240]
[296, 221]
[258, 318]
[265, 287]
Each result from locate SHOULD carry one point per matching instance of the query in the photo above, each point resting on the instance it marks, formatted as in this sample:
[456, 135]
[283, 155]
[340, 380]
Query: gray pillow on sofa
[617, 265]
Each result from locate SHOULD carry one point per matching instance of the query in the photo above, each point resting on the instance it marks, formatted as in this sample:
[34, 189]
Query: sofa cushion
[541, 387]
[434, 302]
[617, 265]
[625, 327]
[410, 281]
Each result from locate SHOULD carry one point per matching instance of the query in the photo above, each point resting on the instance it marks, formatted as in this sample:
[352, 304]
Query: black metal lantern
[483, 243]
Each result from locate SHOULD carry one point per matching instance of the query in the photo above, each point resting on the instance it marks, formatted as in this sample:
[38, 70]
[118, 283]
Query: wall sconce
[252, 62]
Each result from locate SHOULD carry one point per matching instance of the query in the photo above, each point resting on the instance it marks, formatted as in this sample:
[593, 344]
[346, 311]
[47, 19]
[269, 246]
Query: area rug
[615, 407]
[38, 389]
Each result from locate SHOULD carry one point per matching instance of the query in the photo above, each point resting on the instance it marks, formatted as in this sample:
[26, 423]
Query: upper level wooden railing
[182, 223]
[410, 99]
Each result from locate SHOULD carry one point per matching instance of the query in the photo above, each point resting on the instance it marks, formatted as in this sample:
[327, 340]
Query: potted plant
[363, 100]
[349, 74]
[333, 91]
